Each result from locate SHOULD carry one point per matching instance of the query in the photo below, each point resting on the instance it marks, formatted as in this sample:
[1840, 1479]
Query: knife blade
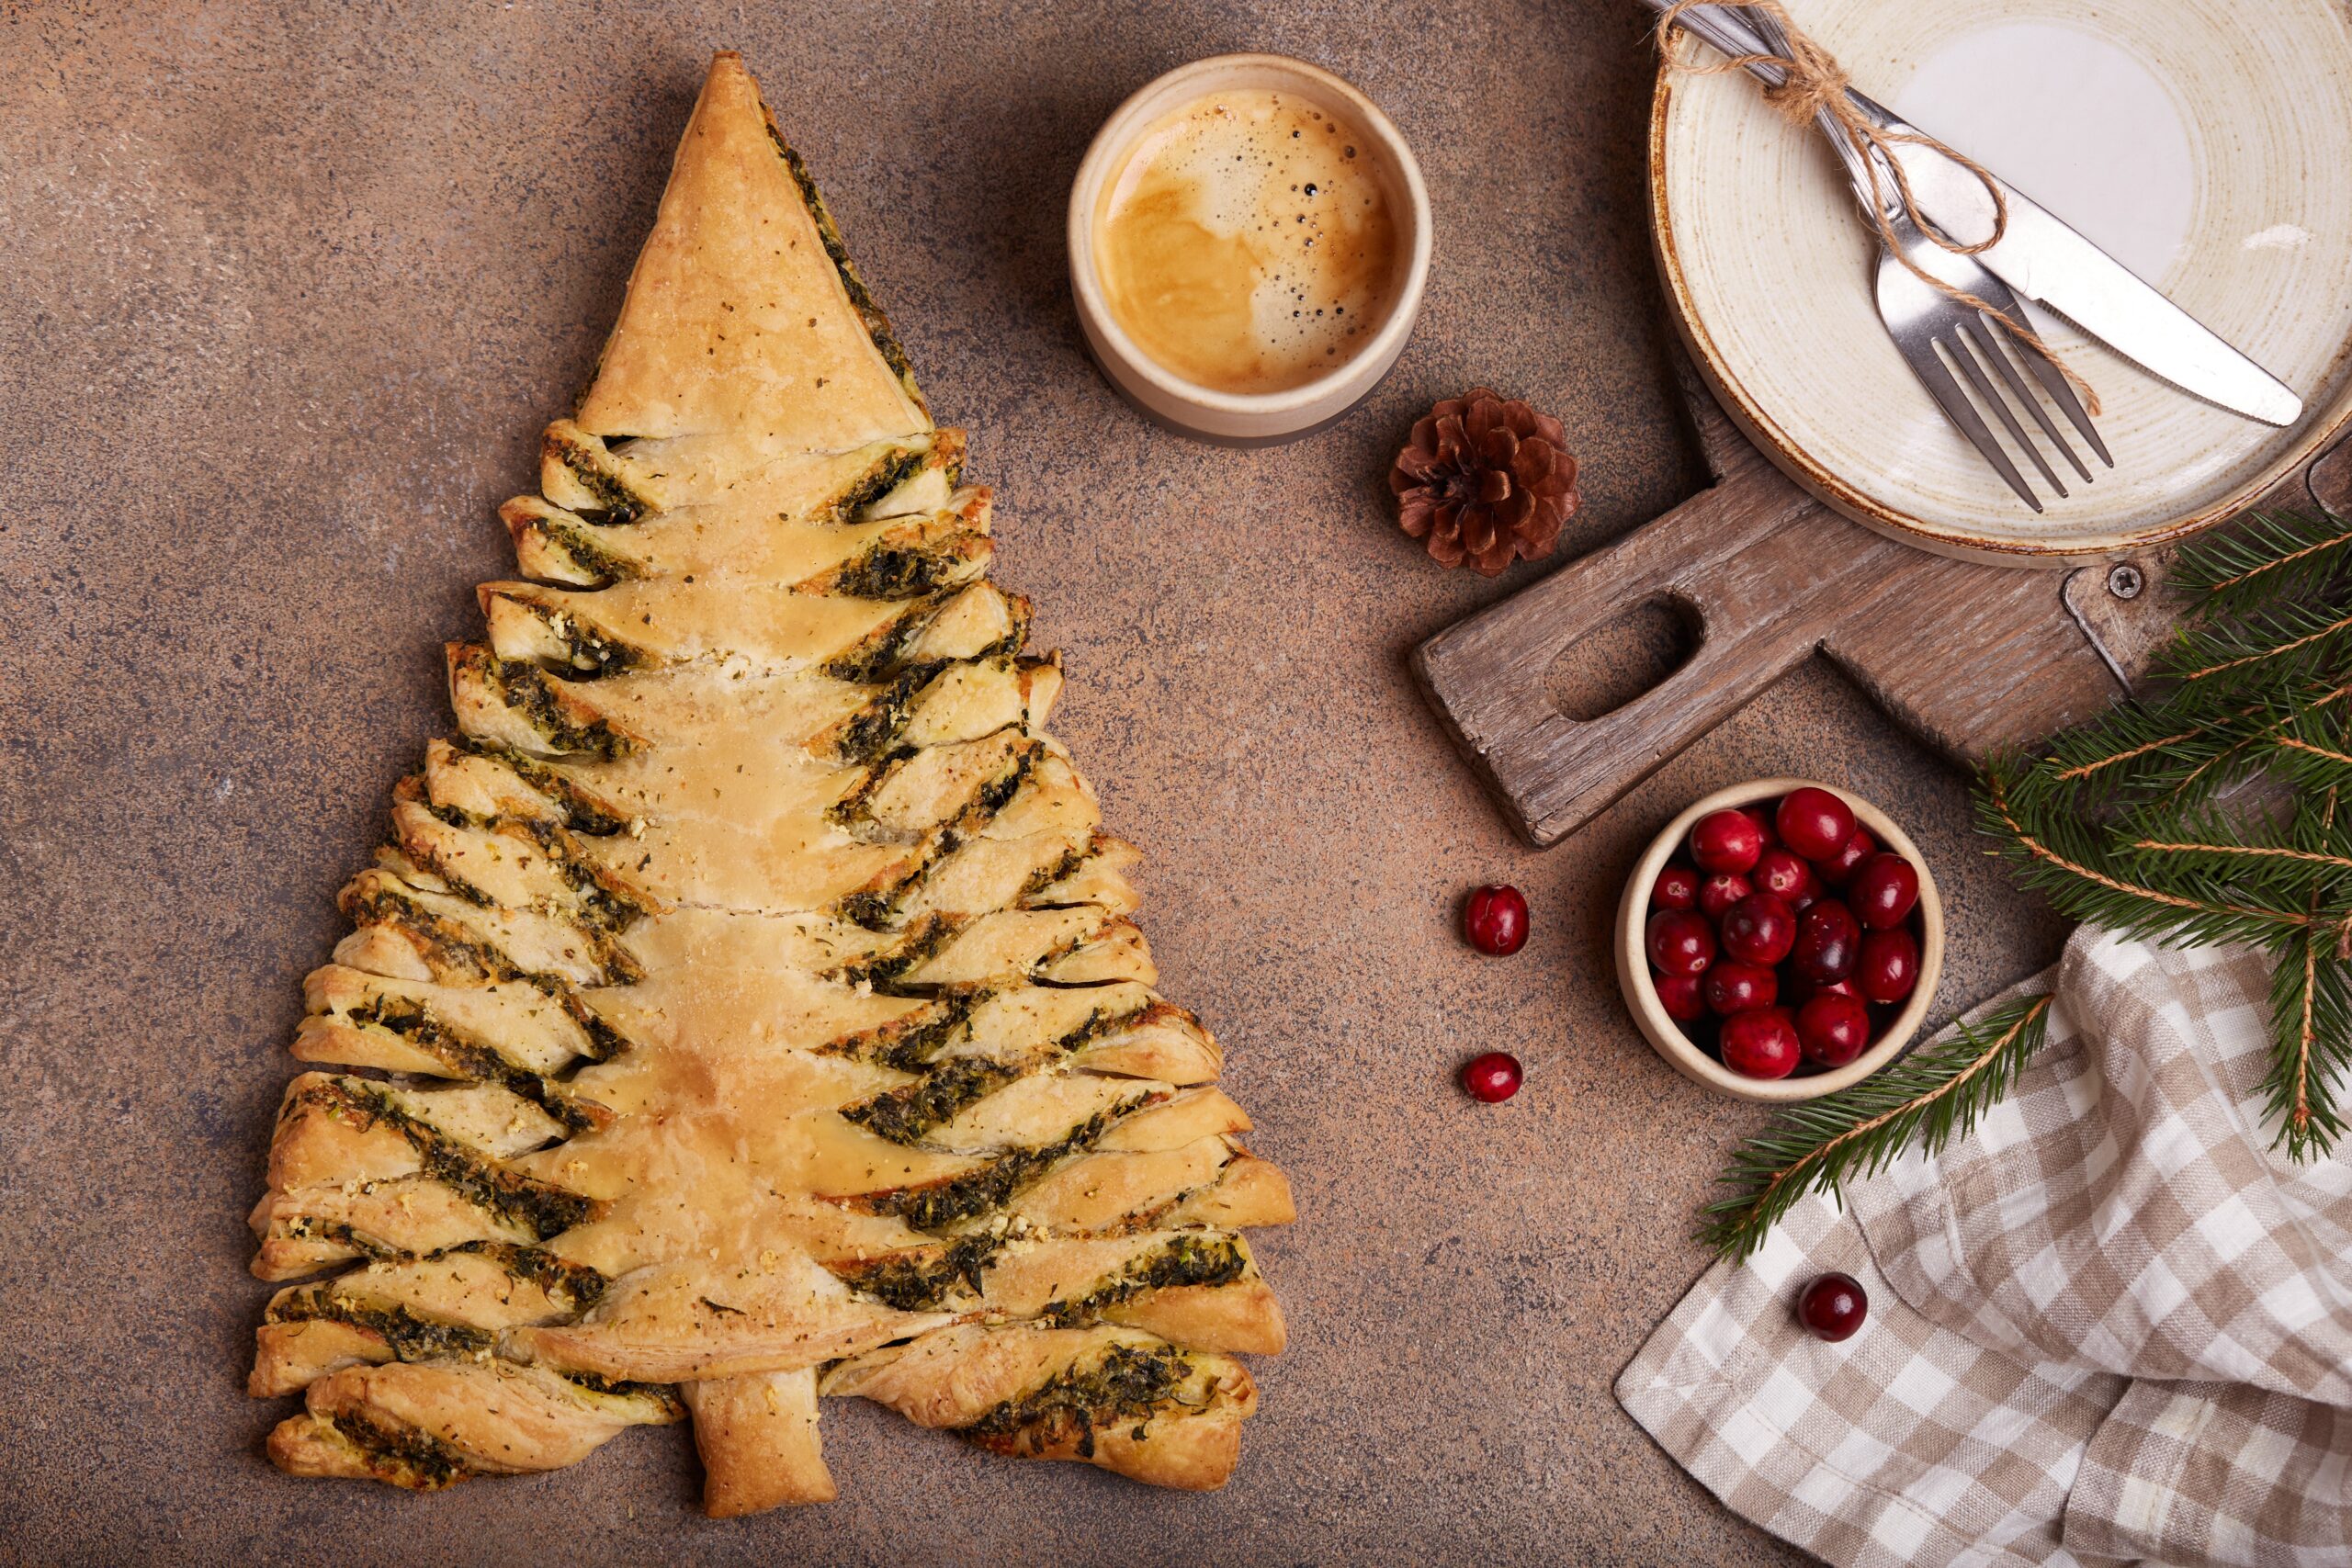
[2046, 260]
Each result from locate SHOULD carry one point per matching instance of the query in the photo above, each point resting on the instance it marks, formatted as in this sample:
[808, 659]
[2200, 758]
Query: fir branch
[2282, 644]
[2267, 556]
[2311, 1020]
[2065, 858]
[1930, 1097]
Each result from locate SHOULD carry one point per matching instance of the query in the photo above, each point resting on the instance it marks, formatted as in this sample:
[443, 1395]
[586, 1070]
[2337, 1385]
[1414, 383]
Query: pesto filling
[583, 813]
[925, 938]
[1187, 1260]
[939, 1205]
[873, 908]
[541, 1209]
[409, 1337]
[578, 1285]
[925, 1279]
[907, 1115]
[880, 480]
[908, 1045]
[585, 553]
[592, 654]
[531, 691]
[401, 1455]
[901, 571]
[465, 951]
[870, 659]
[869, 733]
[1130, 1382]
[467, 1058]
[616, 502]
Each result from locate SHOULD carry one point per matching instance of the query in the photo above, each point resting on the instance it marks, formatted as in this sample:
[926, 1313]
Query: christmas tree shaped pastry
[745, 1006]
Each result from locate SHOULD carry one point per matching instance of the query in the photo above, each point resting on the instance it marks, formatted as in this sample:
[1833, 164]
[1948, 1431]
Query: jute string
[1814, 85]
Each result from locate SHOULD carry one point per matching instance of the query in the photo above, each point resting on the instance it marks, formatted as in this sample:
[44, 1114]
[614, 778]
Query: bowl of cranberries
[1780, 940]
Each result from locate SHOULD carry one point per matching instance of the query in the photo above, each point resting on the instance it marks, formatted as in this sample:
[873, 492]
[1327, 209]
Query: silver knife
[2043, 258]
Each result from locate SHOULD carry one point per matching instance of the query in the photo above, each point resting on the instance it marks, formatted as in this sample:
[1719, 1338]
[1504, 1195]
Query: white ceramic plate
[2207, 144]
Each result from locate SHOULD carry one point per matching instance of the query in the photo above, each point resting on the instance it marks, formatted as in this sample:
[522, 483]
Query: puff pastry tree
[745, 1006]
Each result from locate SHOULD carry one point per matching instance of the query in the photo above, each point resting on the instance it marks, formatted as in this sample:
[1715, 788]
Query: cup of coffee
[1248, 241]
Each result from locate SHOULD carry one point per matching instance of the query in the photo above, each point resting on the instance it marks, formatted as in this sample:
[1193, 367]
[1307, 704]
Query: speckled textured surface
[291, 290]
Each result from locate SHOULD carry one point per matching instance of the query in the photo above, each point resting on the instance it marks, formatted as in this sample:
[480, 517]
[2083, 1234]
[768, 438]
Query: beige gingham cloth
[2110, 1325]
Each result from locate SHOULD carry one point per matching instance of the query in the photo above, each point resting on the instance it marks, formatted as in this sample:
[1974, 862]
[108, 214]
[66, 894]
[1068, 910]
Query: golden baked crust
[746, 1000]
[743, 311]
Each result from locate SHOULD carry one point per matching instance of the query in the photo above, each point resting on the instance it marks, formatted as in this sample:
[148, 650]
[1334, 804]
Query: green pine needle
[2079, 867]
[2266, 558]
[2311, 1019]
[1929, 1097]
[2282, 644]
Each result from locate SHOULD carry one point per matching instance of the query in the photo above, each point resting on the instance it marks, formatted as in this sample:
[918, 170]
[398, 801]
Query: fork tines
[1979, 343]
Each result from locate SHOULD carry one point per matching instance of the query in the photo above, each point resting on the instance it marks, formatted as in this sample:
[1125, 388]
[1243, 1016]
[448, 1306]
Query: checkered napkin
[2111, 1324]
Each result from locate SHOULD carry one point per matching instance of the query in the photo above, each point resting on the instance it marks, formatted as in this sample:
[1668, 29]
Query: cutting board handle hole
[1613, 664]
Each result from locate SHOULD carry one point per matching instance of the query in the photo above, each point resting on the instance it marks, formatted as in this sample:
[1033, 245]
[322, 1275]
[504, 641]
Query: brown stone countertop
[290, 290]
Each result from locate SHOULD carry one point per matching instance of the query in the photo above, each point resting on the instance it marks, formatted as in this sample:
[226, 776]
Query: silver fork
[1937, 336]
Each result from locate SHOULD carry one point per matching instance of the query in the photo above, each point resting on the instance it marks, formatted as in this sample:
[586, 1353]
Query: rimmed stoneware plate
[2204, 143]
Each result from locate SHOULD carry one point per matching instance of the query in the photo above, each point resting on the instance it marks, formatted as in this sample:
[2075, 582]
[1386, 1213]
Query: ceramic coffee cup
[1248, 418]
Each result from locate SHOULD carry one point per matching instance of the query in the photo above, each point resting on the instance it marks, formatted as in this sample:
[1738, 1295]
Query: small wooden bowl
[1666, 1036]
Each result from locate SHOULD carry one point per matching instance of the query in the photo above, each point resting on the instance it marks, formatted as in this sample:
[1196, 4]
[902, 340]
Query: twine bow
[1813, 85]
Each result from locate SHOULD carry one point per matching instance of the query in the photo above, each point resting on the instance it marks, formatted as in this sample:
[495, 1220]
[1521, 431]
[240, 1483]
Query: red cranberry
[1760, 1045]
[1805, 990]
[1725, 840]
[1827, 942]
[1889, 966]
[1814, 822]
[1785, 877]
[1883, 891]
[1832, 1307]
[1679, 995]
[1732, 987]
[1858, 847]
[1760, 929]
[1721, 891]
[1493, 1077]
[1762, 816]
[1832, 1028]
[1677, 887]
[1495, 920]
[1680, 942]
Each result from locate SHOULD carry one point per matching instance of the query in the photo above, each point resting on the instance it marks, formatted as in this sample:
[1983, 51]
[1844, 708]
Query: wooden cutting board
[1760, 575]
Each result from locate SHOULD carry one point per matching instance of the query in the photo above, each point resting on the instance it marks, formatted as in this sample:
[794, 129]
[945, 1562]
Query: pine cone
[1485, 480]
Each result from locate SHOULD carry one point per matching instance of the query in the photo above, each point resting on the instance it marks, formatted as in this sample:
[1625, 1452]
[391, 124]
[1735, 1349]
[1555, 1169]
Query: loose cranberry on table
[1762, 1043]
[1725, 840]
[1495, 920]
[1883, 891]
[1680, 942]
[1832, 1307]
[1732, 987]
[1721, 891]
[1493, 1077]
[1677, 887]
[1889, 965]
[1814, 822]
[1833, 1027]
[1837, 868]
[1828, 944]
[1785, 877]
[1680, 997]
[1760, 929]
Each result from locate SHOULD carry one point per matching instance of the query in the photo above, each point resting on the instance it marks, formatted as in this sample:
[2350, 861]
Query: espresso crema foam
[1247, 242]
